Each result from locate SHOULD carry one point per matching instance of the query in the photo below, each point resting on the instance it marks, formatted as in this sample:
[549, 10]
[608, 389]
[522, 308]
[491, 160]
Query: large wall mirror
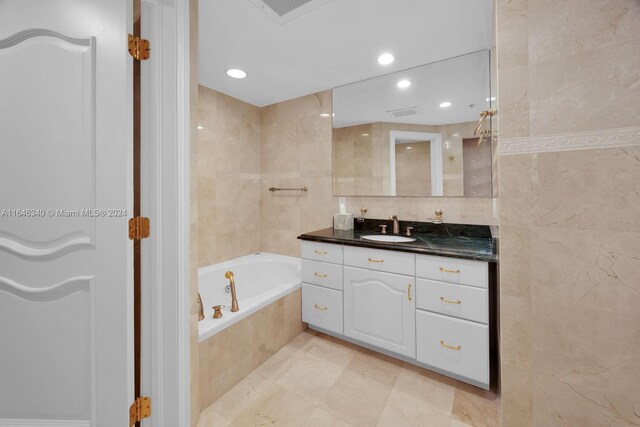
[411, 133]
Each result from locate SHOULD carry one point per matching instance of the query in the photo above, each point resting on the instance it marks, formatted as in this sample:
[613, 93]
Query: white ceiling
[332, 45]
[464, 81]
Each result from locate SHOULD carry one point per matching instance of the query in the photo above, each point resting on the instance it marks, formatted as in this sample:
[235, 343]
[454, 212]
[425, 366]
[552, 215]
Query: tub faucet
[232, 283]
[396, 224]
[200, 308]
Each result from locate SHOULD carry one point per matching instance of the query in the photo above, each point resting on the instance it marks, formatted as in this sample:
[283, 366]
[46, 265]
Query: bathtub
[261, 279]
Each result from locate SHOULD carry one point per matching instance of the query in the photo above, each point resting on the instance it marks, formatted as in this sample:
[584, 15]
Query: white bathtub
[261, 279]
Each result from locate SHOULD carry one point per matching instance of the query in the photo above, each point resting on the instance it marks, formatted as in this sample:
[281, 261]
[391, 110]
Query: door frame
[165, 189]
[436, 158]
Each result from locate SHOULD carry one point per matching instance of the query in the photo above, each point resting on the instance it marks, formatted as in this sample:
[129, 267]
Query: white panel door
[379, 309]
[65, 174]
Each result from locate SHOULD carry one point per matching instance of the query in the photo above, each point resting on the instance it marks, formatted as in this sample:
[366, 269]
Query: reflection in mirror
[417, 140]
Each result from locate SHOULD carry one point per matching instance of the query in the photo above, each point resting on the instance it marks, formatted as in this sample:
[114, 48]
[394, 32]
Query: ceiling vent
[283, 11]
[403, 112]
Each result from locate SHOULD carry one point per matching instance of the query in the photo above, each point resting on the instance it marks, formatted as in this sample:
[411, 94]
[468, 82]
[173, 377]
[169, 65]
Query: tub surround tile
[228, 170]
[228, 357]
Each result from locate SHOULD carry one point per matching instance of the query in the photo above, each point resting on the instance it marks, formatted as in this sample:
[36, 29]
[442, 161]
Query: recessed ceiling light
[386, 59]
[403, 84]
[409, 148]
[236, 73]
[365, 134]
[456, 134]
[200, 127]
[325, 115]
[445, 104]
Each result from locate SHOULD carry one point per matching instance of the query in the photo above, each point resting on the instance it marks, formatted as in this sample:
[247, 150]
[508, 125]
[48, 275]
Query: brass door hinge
[140, 409]
[139, 228]
[139, 48]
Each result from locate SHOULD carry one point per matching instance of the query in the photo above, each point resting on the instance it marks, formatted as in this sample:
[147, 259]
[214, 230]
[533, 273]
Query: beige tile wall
[232, 354]
[569, 228]
[228, 177]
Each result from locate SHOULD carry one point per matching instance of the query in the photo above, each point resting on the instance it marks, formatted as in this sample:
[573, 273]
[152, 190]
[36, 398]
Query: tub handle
[319, 307]
[323, 276]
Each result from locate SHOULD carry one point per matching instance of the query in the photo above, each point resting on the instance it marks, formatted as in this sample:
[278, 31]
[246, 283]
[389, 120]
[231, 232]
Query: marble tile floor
[318, 380]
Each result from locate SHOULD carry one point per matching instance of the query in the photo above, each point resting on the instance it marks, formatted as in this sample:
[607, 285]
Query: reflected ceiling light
[386, 59]
[236, 73]
[403, 84]
[325, 115]
[445, 104]
[409, 148]
[365, 134]
[493, 98]
[456, 134]
[200, 127]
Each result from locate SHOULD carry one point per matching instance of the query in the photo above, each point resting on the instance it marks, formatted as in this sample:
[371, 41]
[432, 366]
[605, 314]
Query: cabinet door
[379, 309]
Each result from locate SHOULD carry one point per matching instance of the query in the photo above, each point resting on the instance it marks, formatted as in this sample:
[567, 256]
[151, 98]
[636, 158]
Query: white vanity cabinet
[379, 309]
[322, 286]
[432, 311]
[452, 317]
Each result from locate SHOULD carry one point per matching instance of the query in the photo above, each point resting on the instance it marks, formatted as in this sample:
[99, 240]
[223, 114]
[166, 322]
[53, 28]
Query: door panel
[65, 262]
[378, 311]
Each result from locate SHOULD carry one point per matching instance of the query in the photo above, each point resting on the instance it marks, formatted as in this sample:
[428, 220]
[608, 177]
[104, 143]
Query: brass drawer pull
[448, 301]
[320, 252]
[409, 291]
[446, 270]
[319, 307]
[450, 347]
[375, 260]
[320, 275]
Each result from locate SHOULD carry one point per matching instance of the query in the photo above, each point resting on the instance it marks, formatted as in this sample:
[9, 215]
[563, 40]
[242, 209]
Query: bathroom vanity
[430, 302]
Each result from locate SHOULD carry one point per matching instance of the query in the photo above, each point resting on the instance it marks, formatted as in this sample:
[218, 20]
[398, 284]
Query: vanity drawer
[453, 270]
[453, 345]
[322, 307]
[380, 260]
[322, 274]
[322, 252]
[465, 302]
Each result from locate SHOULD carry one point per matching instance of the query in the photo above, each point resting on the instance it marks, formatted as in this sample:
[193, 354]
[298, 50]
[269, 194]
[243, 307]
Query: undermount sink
[388, 238]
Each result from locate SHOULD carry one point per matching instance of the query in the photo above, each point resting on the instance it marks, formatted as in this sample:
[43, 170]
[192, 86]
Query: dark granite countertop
[451, 240]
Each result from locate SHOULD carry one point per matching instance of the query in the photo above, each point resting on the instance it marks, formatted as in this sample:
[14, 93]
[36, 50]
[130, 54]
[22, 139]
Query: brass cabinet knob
[217, 313]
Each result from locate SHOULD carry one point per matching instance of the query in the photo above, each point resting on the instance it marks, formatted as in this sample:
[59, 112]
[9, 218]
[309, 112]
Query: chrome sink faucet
[396, 224]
